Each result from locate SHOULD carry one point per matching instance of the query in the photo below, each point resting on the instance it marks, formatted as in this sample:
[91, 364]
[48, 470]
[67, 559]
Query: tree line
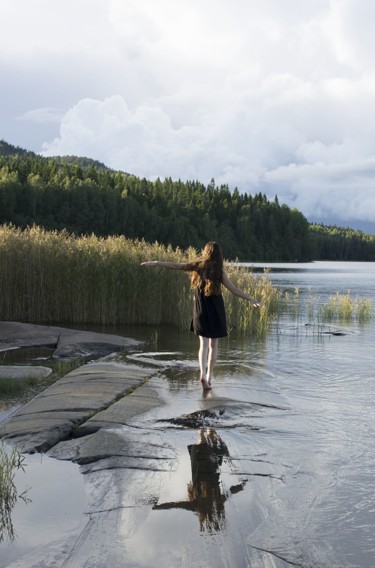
[84, 197]
[338, 243]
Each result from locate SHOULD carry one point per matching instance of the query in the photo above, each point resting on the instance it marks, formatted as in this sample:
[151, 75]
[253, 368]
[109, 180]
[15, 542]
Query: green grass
[10, 388]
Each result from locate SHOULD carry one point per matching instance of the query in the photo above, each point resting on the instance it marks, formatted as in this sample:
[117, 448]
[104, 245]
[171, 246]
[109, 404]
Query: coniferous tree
[85, 197]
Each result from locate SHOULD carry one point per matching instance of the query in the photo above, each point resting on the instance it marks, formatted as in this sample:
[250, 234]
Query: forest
[85, 197]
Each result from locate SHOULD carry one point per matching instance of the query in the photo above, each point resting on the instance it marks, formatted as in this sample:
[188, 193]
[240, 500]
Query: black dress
[209, 315]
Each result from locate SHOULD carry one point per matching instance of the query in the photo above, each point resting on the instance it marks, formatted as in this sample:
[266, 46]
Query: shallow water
[295, 412]
[55, 508]
[298, 422]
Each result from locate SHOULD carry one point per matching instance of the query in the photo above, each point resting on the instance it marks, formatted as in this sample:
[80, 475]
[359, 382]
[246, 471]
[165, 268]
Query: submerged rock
[67, 343]
[195, 419]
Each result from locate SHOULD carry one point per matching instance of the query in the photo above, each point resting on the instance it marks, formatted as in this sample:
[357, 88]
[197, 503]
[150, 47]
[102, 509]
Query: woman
[209, 322]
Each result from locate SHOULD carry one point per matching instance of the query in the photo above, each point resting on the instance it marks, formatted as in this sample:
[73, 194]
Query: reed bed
[341, 308]
[56, 277]
[242, 316]
[344, 308]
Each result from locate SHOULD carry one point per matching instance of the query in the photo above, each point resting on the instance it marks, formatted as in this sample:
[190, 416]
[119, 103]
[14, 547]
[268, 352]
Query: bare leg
[202, 356]
[212, 356]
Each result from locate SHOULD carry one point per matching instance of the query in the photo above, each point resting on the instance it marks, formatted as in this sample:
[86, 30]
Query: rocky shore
[79, 418]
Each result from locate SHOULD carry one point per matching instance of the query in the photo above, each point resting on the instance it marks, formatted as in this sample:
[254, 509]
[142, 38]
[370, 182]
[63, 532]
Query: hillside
[83, 196]
[7, 149]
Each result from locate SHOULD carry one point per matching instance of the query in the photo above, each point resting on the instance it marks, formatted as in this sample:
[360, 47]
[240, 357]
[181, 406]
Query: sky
[276, 96]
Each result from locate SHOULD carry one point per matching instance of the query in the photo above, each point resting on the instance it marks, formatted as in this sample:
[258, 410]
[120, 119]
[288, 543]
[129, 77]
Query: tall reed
[242, 316]
[344, 308]
[338, 307]
[56, 277]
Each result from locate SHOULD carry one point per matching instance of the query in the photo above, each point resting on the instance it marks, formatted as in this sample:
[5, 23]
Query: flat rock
[87, 417]
[66, 342]
[112, 448]
[139, 401]
[56, 413]
[21, 372]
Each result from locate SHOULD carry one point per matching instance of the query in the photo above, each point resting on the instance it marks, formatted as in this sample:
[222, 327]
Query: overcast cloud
[275, 96]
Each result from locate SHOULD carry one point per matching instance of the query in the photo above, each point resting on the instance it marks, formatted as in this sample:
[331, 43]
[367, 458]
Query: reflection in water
[9, 463]
[205, 496]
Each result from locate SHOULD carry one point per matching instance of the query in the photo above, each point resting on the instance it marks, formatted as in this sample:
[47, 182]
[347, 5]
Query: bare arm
[171, 265]
[237, 292]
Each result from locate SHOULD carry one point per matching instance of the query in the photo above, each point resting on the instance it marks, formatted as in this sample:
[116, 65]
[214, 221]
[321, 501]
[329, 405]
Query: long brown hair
[208, 270]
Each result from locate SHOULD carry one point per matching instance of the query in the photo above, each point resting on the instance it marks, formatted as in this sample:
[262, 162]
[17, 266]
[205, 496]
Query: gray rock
[14, 335]
[21, 372]
[74, 343]
[56, 413]
[87, 417]
[120, 413]
[66, 342]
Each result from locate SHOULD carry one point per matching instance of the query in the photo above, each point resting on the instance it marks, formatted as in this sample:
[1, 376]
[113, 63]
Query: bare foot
[205, 384]
[201, 437]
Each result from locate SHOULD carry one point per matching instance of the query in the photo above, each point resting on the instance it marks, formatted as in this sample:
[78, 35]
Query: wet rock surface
[196, 419]
[83, 418]
[78, 404]
[114, 419]
[67, 343]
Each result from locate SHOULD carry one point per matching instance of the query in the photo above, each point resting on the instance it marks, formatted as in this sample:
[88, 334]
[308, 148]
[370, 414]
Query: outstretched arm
[237, 292]
[171, 265]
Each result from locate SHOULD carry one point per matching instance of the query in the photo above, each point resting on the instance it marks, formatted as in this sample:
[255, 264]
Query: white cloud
[274, 96]
[42, 115]
[328, 190]
[33, 29]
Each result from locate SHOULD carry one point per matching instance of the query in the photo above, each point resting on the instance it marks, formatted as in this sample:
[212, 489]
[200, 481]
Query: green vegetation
[83, 196]
[62, 367]
[7, 149]
[344, 308]
[337, 243]
[11, 388]
[51, 276]
[242, 317]
[10, 462]
[339, 308]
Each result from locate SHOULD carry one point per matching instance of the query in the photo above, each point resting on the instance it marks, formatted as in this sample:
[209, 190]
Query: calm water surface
[287, 441]
[296, 413]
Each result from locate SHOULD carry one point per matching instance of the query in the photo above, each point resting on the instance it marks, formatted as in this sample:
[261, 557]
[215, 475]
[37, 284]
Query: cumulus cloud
[328, 191]
[274, 97]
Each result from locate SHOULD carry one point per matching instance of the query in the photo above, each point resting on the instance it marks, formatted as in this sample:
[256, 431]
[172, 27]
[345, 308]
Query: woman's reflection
[205, 496]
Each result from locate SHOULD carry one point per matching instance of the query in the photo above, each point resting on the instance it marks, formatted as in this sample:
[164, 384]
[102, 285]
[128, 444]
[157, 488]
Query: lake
[299, 428]
[286, 436]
